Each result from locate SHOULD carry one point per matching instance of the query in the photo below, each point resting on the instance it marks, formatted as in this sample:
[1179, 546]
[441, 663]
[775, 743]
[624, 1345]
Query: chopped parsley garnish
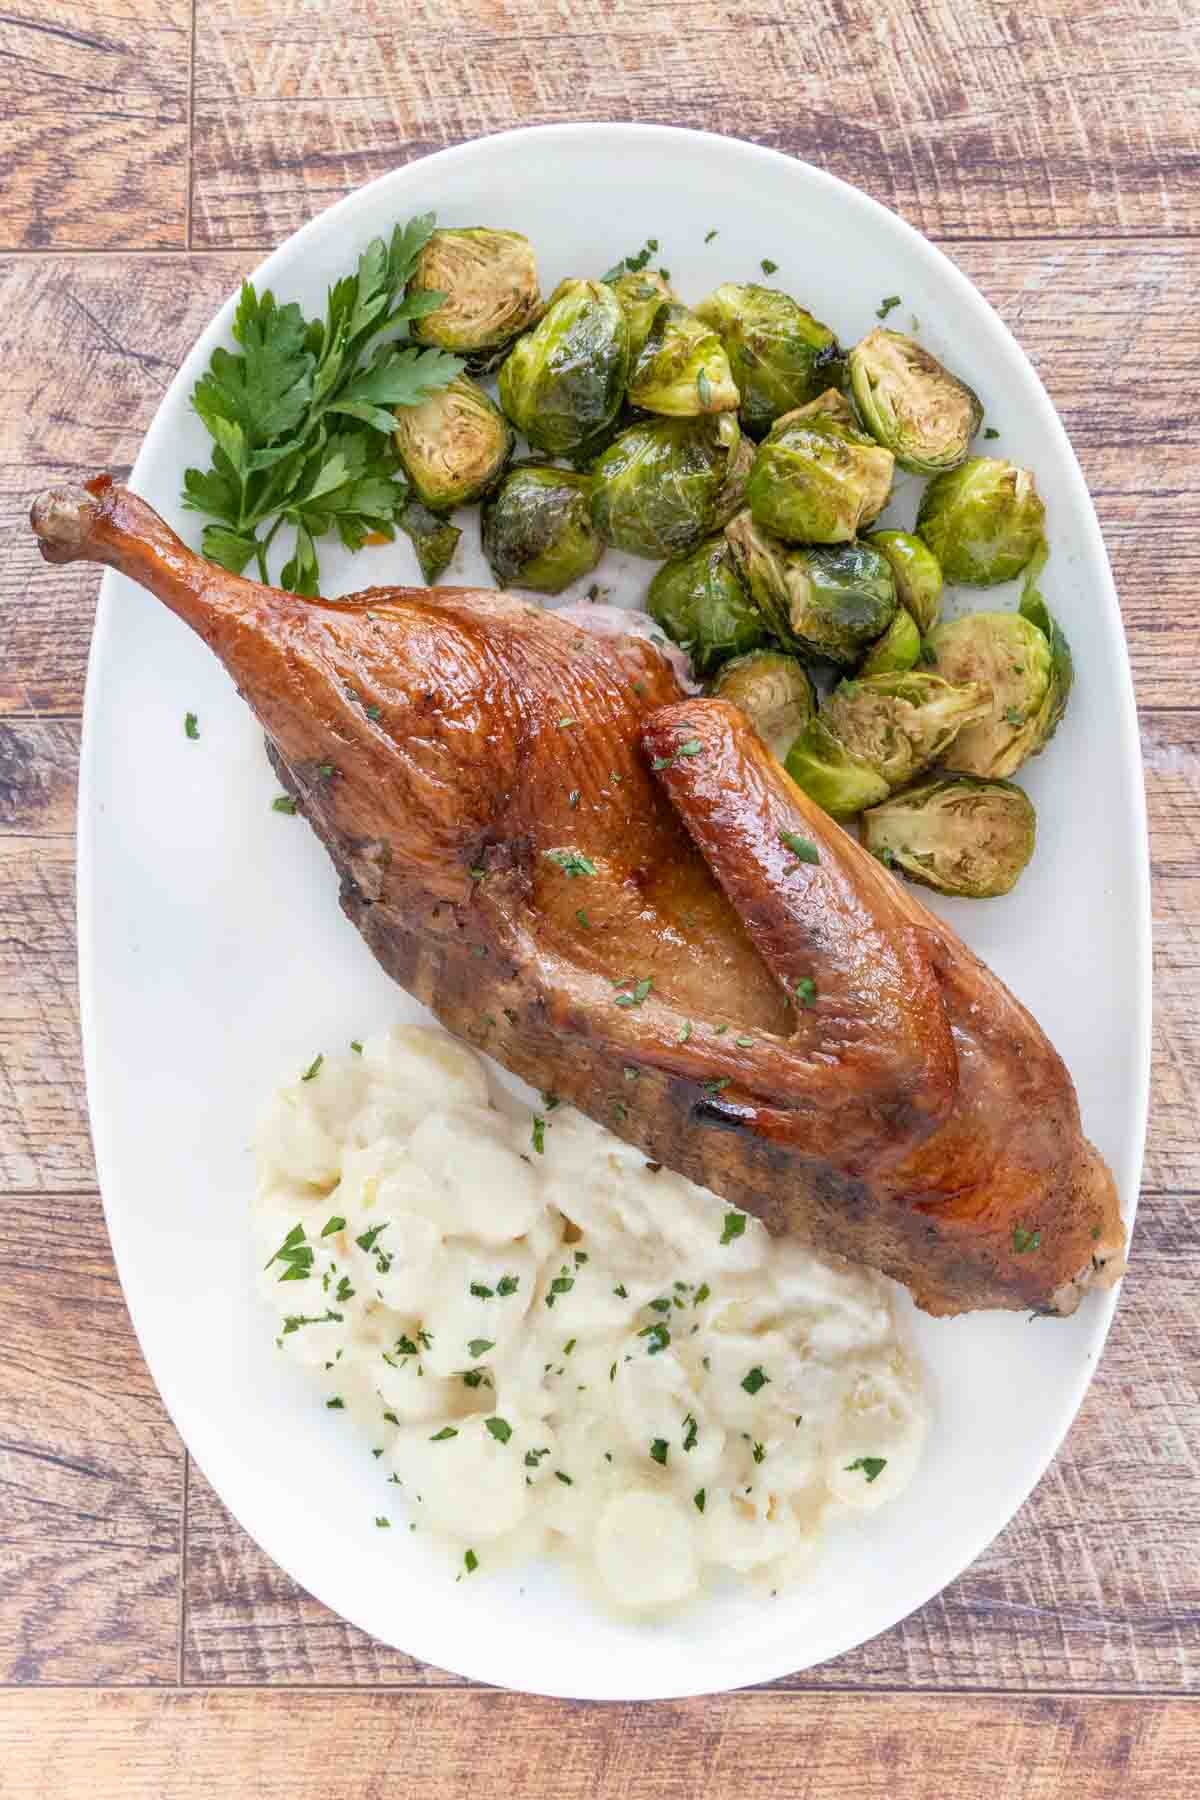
[565, 722]
[767, 266]
[571, 862]
[871, 1466]
[887, 306]
[691, 1431]
[759, 1453]
[390, 1418]
[473, 1378]
[1014, 716]
[754, 1379]
[191, 725]
[405, 1346]
[583, 919]
[562, 1284]
[886, 856]
[296, 1254]
[659, 1338]
[698, 1499]
[569, 1346]
[991, 432]
[693, 747]
[735, 1224]
[335, 1223]
[658, 1450]
[632, 264]
[480, 1292]
[533, 1457]
[337, 1404]
[325, 771]
[710, 235]
[479, 1347]
[383, 1524]
[356, 1046]
[507, 1284]
[538, 1135]
[660, 1305]
[685, 1032]
[470, 1562]
[283, 803]
[500, 1429]
[1023, 1240]
[638, 993]
[373, 712]
[743, 1043]
[565, 1479]
[440, 1437]
[313, 1067]
[344, 1291]
[366, 1239]
[701, 1295]
[806, 990]
[800, 847]
[621, 1291]
[714, 1087]
[294, 1321]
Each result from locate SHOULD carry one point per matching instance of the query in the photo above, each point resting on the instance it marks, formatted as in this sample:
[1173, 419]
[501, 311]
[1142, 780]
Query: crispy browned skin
[446, 744]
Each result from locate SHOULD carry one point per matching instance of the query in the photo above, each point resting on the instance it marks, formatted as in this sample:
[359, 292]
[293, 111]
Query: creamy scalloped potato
[550, 1344]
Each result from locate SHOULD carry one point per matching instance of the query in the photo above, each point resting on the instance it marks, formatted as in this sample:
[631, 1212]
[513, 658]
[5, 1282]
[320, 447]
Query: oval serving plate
[214, 960]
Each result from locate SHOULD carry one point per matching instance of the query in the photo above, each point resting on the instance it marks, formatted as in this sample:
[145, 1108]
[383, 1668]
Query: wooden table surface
[150, 152]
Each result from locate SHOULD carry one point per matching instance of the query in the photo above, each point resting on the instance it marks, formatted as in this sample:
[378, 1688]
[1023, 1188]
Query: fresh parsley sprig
[301, 416]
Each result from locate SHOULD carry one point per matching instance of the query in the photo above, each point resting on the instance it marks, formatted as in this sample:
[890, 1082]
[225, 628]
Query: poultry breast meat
[619, 894]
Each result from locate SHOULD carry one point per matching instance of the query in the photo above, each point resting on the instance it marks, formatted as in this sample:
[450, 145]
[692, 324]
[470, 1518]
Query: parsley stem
[262, 545]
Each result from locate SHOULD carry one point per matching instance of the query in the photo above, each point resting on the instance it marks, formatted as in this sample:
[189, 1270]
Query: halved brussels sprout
[913, 405]
[898, 649]
[1011, 657]
[779, 355]
[682, 369]
[899, 724]
[917, 571]
[537, 528]
[774, 692]
[840, 782]
[641, 292]
[827, 601]
[564, 381]
[663, 484]
[434, 539]
[957, 834]
[490, 282]
[454, 445]
[816, 480]
[983, 521]
[701, 604]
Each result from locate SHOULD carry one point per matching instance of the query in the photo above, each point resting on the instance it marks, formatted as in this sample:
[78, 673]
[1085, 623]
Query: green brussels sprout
[682, 369]
[454, 445]
[563, 382]
[434, 539]
[780, 356]
[641, 292]
[1011, 657]
[816, 480]
[537, 528]
[898, 649]
[490, 282]
[838, 780]
[663, 484]
[832, 404]
[918, 574]
[826, 601]
[956, 834]
[983, 521]
[912, 405]
[1062, 664]
[701, 604]
[774, 692]
[900, 723]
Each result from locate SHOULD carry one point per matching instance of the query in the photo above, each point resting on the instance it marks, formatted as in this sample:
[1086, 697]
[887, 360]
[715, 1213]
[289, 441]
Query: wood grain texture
[985, 121]
[91, 1471]
[94, 123]
[334, 1746]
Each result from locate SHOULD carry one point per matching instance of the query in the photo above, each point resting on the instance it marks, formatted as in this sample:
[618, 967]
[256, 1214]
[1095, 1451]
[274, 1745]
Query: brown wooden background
[150, 152]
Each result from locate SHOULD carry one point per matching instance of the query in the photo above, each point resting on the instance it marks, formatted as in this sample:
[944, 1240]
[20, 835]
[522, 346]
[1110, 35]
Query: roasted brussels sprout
[1062, 664]
[563, 382]
[701, 604]
[983, 521]
[774, 692]
[816, 480]
[641, 292]
[840, 782]
[917, 571]
[899, 724]
[1012, 657]
[454, 445]
[898, 649]
[435, 540]
[682, 369]
[663, 484]
[490, 282]
[958, 835]
[830, 602]
[779, 355]
[912, 405]
[537, 528]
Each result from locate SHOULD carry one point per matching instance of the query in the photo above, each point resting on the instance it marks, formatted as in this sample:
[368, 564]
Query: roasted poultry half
[618, 893]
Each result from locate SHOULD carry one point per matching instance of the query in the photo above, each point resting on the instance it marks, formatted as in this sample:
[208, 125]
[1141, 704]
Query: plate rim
[631, 134]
